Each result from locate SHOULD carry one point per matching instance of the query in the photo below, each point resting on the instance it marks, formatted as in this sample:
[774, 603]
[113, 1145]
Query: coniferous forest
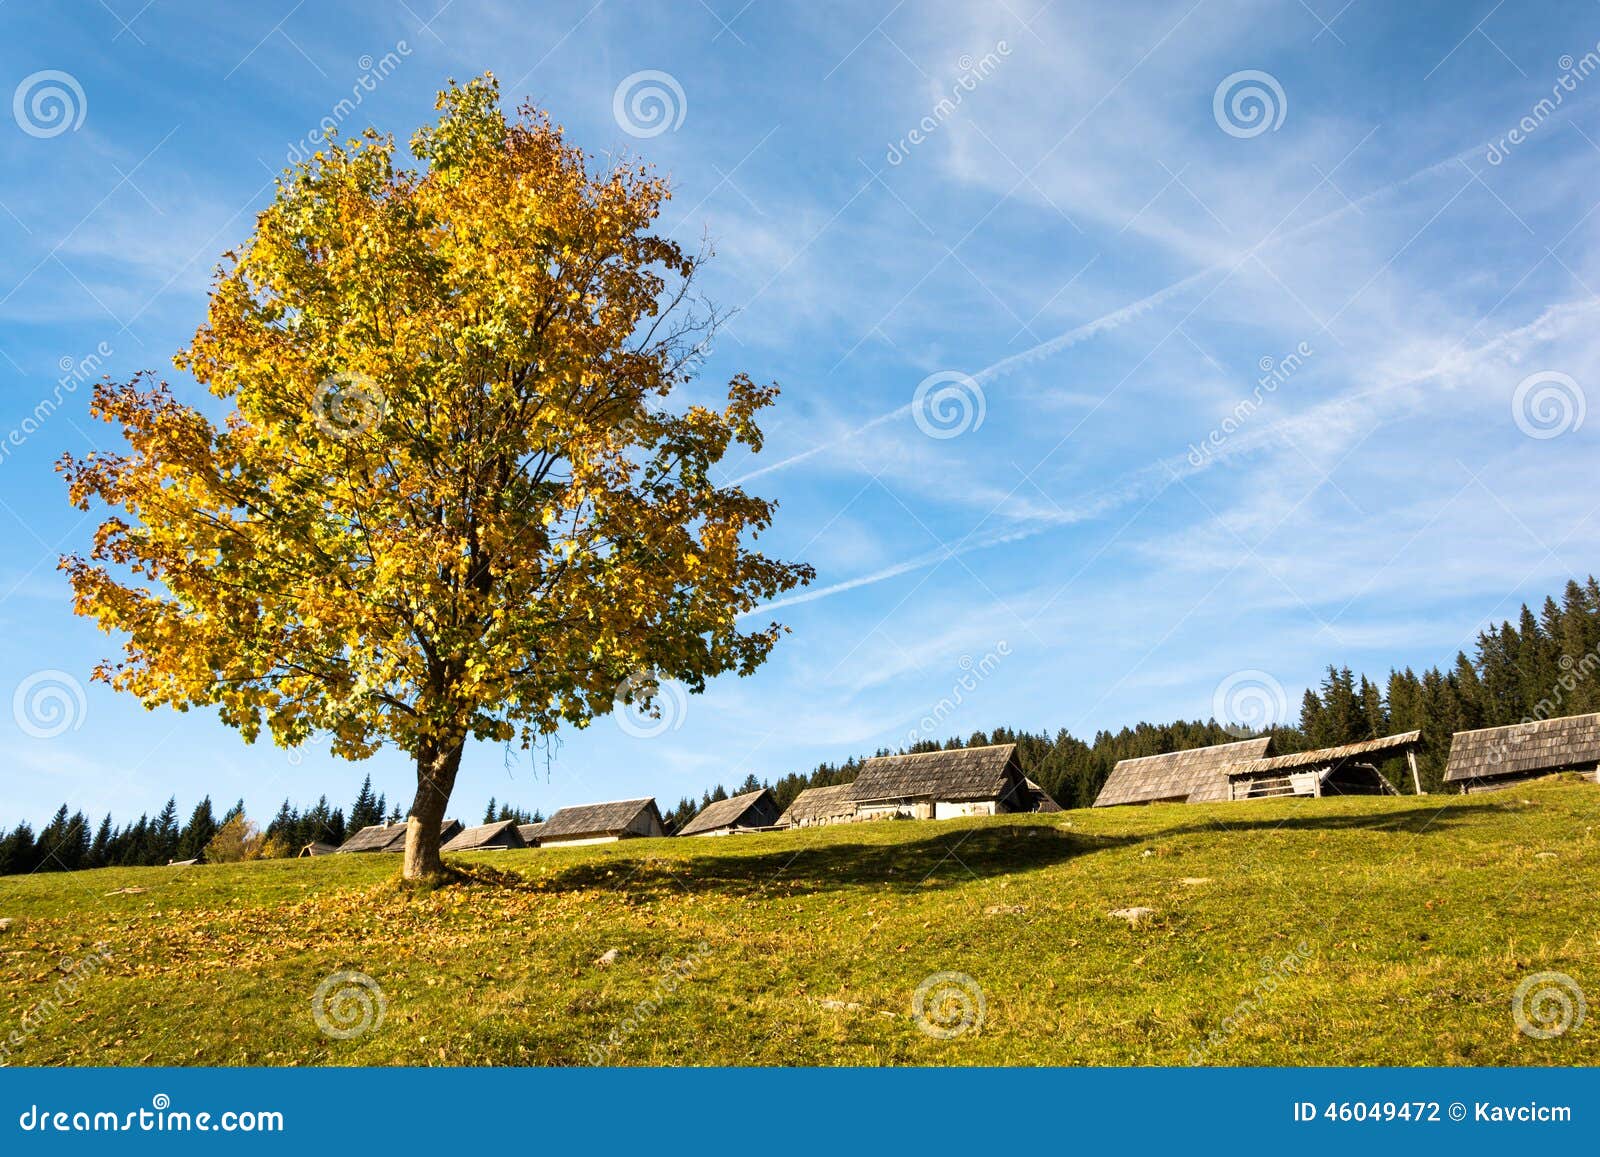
[1545, 664]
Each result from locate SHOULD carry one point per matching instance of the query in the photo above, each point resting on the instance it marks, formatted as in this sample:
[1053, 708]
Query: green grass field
[1357, 931]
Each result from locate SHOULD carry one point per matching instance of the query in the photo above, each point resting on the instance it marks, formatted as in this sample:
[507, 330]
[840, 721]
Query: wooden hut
[392, 837]
[602, 823]
[749, 812]
[1348, 769]
[493, 837]
[1197, 775]
[1497, 757]
[373, 838]
[317, 848]
[1039, 798]
[820, 805]
[971, 781]
[530, 833]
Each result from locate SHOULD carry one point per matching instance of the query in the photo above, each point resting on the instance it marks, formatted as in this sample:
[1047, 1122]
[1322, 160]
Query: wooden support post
[1416, 777]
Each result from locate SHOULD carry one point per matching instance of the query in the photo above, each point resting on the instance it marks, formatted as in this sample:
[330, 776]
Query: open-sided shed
[970, 781]
[1195, 775]
[820, 805]
[1041, 800]
[494, 837]
[723, 817]
[1347, 769]
[602, 823]
[1496, 757]
[392, 837]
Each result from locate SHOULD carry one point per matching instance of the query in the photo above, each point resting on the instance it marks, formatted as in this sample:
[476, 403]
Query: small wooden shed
[317, 848]
[1347, 769]
[602, 823]
[531, 833]
[970, 781]
[392, 837]
[816, 806]
[1195, 775]
[1497, 757]
[751, 811]
[1039, 798]
[495, 837]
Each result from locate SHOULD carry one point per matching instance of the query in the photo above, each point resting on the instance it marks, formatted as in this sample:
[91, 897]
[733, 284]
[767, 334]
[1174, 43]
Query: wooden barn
[317, 848]
[602, 823]
[751, 811]
[1497, 757]
[1197, 775]
[1349, 769]
[495, 837]
[392, 837]
[816, 806]
[972, 781]
[531, 833]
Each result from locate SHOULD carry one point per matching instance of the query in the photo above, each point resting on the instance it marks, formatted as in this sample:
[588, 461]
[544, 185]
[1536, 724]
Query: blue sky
[1106, 394]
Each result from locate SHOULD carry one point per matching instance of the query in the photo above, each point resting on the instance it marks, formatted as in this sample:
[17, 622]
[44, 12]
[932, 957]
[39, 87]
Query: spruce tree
[162, 847]
[197, 832]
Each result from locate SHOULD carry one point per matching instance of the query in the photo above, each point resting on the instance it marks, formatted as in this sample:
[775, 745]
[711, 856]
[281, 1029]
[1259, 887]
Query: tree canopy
[451, 499]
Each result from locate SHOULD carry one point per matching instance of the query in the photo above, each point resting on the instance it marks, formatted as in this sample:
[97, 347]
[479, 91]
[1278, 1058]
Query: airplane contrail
[1119, 317]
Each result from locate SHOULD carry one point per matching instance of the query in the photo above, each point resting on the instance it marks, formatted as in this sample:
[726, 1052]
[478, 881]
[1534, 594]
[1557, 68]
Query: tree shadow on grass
[1422, 821]
[939, 860]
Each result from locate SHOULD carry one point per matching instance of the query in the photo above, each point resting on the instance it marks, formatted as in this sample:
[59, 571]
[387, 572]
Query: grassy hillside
[1361, 931]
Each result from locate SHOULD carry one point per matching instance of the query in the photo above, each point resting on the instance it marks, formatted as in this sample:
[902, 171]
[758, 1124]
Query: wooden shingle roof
[970, 773]
[819, 803]
[1197, 775]
[595, 819]
[392, 837]
[372, 838]
[500, 834]
[1547, 745]
[530, 833]
[753, 809]
[1383, 748]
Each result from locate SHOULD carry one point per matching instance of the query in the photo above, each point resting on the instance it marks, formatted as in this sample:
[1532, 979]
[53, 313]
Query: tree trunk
[436, 777]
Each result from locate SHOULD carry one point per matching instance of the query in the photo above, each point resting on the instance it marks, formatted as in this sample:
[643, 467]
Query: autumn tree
[452, 499]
